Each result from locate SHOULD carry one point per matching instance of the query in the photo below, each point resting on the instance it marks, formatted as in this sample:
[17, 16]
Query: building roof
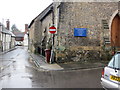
[4, 30]
[20, 34]
[43, 14]
[16, 31]
[8, 32]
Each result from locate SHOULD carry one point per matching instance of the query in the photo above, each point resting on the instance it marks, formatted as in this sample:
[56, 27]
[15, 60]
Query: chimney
[8, 24]
[26, 28]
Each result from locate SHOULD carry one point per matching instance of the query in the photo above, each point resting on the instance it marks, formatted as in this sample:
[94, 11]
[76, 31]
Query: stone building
[38, 33]
[19, 36]
[85, 30]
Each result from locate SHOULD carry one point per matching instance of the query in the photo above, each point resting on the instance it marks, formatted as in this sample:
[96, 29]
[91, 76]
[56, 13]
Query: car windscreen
[115, 62]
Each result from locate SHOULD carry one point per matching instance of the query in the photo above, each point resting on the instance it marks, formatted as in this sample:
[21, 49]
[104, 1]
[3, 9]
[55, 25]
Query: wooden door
[115, 31]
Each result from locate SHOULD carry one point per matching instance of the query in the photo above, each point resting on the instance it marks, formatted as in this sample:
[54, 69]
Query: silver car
[111, 74]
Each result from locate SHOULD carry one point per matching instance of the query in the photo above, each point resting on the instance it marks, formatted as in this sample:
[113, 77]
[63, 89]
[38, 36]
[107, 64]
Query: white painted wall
[6, 41]
[25, 40]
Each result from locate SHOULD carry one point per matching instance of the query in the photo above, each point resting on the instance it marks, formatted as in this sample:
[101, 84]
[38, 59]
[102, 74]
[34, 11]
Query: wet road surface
[14, 74]
[21, 73]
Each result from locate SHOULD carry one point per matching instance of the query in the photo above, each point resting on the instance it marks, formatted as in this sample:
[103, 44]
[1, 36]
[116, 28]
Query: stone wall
[39, 33]
[31, 39]
[46, 24]
[83, 15]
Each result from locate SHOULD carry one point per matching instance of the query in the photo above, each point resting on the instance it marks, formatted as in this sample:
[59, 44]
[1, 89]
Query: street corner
[52, 67]
[41, 64]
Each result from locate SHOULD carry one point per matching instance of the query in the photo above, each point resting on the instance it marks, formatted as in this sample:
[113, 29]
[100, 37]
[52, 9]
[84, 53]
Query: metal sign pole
[52, 30]
[52, 51]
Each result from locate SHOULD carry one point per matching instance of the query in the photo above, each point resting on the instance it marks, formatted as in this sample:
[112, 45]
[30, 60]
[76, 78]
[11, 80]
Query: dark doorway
[39, 49]
[43, 51]
[115, 32]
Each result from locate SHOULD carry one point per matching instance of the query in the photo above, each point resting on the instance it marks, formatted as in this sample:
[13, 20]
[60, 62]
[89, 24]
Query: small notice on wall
[82, 32]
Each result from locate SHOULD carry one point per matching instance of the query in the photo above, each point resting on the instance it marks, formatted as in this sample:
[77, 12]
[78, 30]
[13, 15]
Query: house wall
[31, 38]
[3, 42]
[46, 24]
[37, 35]
[94, 16]
[25, 41]
[12, 42]
[37, 31]
[83, 15]
[6, 41]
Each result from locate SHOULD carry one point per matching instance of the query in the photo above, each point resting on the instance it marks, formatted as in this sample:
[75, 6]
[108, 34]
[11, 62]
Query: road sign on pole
[52, 30]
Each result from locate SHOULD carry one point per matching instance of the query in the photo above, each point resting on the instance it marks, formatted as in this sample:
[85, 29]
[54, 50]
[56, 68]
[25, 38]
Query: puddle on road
[17, 75]
[17, 81]
[27, 76]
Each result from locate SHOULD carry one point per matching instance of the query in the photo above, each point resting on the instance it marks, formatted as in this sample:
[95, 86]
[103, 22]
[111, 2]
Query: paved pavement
[40, 62]
[7, 50]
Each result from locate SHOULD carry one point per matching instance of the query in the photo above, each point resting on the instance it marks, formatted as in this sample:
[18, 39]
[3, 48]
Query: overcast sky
[21, 12]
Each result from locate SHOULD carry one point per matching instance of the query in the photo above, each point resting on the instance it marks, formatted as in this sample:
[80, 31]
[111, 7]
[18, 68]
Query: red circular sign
[52, 29]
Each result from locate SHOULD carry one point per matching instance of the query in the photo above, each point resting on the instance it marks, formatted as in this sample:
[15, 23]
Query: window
[111, 63]
[117, 61]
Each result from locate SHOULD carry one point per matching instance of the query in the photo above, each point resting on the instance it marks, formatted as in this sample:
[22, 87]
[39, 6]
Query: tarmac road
[22, 73]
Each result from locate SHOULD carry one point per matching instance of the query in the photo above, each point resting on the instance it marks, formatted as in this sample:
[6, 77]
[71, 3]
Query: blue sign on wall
[80, 32]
